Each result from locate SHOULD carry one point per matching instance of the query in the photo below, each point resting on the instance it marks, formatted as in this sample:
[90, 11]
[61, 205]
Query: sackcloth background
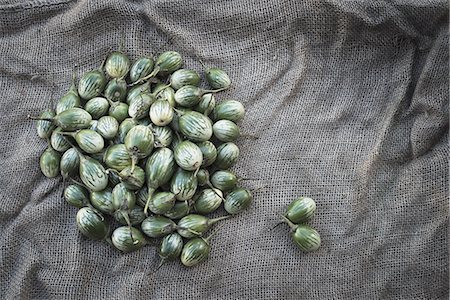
[350, 103]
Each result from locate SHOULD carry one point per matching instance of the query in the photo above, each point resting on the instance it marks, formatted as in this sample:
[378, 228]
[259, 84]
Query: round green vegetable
[184, 77]
[161, 113]
[183, 184]
[188, 156]
[93, 174]
[224, 180]
[102, 201]
[49, 162]
[141, 68]
[117, 65]
[217, 78]
[231, 110]
[107, 127]
[301, 210]
[195, 126]
[92, 224]
[97, 107]
[179, 210]
[70, 162]
[91, 84]
[70, 99]
[208, 201]
[195, 251]
[162, 202]
[227, 155]
[226, 131]
[158, 226]
[195, 225]
[116, 90]
[45, 128]
[237, 200]
[128, 239]
[76, 195]
[117, 157]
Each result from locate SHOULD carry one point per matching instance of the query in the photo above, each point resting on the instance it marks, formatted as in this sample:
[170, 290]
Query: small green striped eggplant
[139, 142]
[231, 110]
[196, 225]
[124, 127]
[202, 177]
[135, 215]
[76, 195]
[304, 236]
[132, 179]
[118, 110]
[161, 113]
[183, 184]
[301, 210]
[224, 180]
[70, 99]
[142, 67]
[170, 248]
[142, 196]
[179, 210]
[122, 198]
[91, 84]
[107, 127]
[195, 252]
[206, 104]
[97, 107]
[117, 65]
[70, 162]
[116, 90]
[92, 224]
[184, 77]
[158, 169]
[158, 226]
[190, 95]
[163, 136]
[167, 94]
[140, 106]
[136, 90]
[102, 201]
[188, 156]
[227, 155]
[217, 78]
[128, 239]
[70, 119]
[45, 128]
[237, 200]
[209, 152]
[117, 157]
[166, 63]
[88, 140]
[161, 202]
[195, 126]
[49, 162]
[208, 201]
[93, 174]
[58, 141]
[226, 131]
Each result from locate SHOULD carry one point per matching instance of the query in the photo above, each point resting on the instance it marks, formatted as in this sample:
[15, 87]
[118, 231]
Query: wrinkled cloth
[348, 99]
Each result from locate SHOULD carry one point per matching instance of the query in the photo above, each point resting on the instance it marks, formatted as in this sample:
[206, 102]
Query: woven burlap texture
[349, 101]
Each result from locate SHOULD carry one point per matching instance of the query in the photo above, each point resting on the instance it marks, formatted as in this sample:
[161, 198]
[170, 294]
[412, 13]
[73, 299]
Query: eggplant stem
[278, 224]
[287, 221]
[39, 118]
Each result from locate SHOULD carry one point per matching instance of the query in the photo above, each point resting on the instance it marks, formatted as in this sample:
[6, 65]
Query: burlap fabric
[350, 103]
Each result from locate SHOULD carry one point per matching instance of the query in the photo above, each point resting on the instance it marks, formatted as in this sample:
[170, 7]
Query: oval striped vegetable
[179, 210]
[93, 174]
[301, 210]
[208, 201]
[206, 104]
[91, 84]
[194, 252]
[73, 119]
[124, 127]
[116, 90]
[166, 94]
[209, 152]
[107, 127]
[163, 136]
[306, 238]
[136, 90]
[227, 155]
[76, 195]
[168, 62]
[139, 141]
[217, 78]
[158, 226]
[223, 180]
[45, 128]
[162, 202]
[141, 68]
[70, 99]
[122, 198]
[49, 162]
[70, 162]
[97, 107]
[117, 65]
[58, 141]
[226, 131]
[133, 179]
[195, 225]
[135, 215]
[170, 247]
[119, 111]
[203, 177]
[188, 95]
[128, 239]
[237, 200]
[102, 201]
[183, 184]
[188, 156]
[195, 126]
[231, 110]
[184, 77]
[161, 113]
[92, 224]
[117, 157]
[140, 106]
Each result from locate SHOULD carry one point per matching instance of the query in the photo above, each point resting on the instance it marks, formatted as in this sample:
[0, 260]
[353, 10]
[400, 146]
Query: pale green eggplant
[117, 157]
[206, 104]
[231, 110]
[118, 110]
[135, 215]
[49, 162]
[107, 127]
[301, 210]
[166, 63]
[45, 128]
[170, 248]
[76, 195]
[88, 140]
[166, 93]
[70, 99]
[209, 152]
[227, 155]
[116, 90]
[158, 226]
[58, 141]
[188, 156]
[217, 78]
[184, 77]
[163, 136]
[70, 119]
[190, 95]
[141, 68]
[161, 113]
[92, 224]
[97, 107]
[224, 180]
[195, 225]
[122, 198]
[237, 200]
[140, 106]
[93, 174]
[139, 143]
[183, 184]
[117, 65]
[208, 201]
[132, 179]
[175, 120]
[179, 210]
[195, 126]
[70, 162]
[304, 236]
[91, 84]
[195, 251]
[128, 239]
[136, 90]
[161, 202]
[202, 177]
[226, 131]
[124, 127]
[102, 201]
